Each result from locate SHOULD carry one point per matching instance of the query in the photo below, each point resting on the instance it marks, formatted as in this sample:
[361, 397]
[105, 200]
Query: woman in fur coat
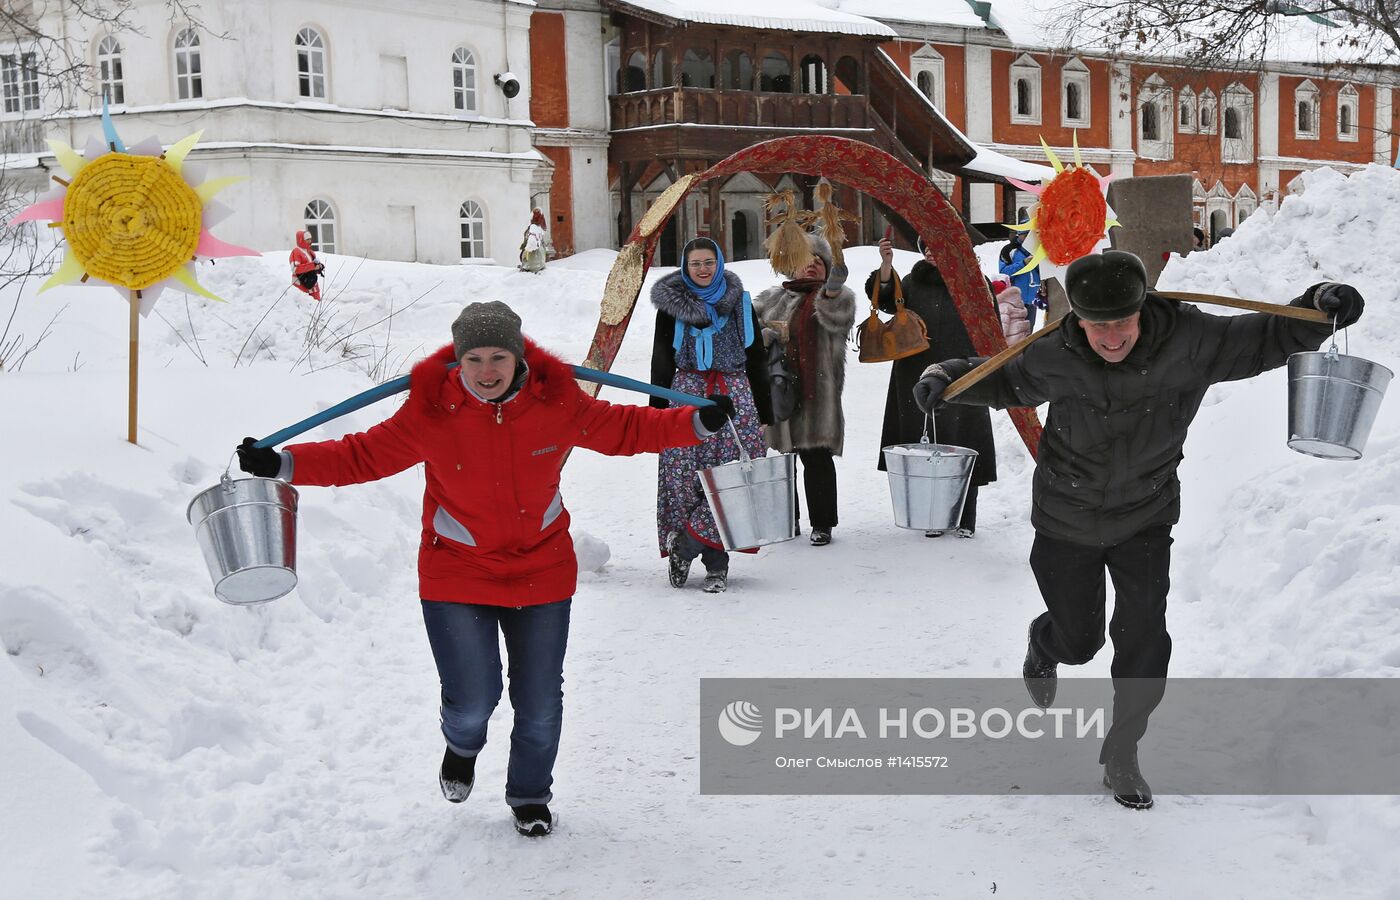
[814, 312]
[705, 343]
[964, 426]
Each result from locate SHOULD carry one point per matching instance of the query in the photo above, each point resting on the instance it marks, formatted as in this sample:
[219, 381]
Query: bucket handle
[743, 453]
[929, 421]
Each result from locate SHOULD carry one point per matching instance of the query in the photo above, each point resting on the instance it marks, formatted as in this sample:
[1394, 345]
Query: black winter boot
[533, 819]
[678, 565]
[1039, 672]
[457, 775]
[1122, 776]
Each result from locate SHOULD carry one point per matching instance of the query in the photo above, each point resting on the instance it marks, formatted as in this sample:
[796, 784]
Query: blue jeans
[467, 652]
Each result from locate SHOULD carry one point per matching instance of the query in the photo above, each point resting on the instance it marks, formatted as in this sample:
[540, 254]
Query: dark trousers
[819, 484]
[969, 511]
[466, 648]
[1071, 630]
[715, 559]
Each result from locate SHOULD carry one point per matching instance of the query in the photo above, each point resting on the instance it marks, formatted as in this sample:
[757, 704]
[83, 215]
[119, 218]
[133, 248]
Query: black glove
[714, 417]
[928, 392]
[263, 462]
[1340, 301]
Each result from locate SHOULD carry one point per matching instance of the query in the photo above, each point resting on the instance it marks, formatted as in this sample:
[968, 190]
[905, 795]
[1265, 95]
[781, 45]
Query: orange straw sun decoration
[1072, 215]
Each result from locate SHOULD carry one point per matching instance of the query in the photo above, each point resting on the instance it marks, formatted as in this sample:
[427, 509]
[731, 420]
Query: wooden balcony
[702, 123]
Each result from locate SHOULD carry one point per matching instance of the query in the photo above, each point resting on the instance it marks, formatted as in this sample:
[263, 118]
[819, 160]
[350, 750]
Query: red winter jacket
[495, 530]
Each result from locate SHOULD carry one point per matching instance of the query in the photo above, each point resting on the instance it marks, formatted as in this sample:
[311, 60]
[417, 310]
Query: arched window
[1186, 111]
[1306, 101]
[775, 74]
[1208, 120]
[1025, 90]
[1155, 117]
[813, 69]
[848, 74]
[634, 77]
[926, 84]
[473, 219]
[109, 71]
[738, 71]
[320, 221]
[463, 80]
[311, 64]
[1347, 102]
[189, 73]
[661, 69]
[1237, 142]
[1075, 78]
[697, 69]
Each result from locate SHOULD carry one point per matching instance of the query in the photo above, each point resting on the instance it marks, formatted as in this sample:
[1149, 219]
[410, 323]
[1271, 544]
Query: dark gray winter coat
[1106, 467]
[926, 295]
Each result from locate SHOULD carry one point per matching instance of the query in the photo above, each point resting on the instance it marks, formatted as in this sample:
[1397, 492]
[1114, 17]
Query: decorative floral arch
[855, 164]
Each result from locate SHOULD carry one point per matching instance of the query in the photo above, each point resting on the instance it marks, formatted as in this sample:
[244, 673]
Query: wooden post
[134, 328]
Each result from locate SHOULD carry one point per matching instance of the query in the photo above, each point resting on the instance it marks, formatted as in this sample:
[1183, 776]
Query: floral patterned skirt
[680, 501]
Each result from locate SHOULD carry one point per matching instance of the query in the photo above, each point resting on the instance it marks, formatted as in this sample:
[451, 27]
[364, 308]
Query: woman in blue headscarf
[707, 342]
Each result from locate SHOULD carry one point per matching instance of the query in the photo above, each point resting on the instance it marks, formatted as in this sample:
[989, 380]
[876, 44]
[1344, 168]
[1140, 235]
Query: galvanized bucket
[1332, 402]
[928, 482]
[247, 530]
[754, 501]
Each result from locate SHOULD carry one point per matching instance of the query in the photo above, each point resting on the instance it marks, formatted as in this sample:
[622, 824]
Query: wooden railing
[669, 106]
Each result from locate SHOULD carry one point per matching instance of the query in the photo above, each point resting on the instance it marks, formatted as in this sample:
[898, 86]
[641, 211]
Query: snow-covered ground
[158, 743]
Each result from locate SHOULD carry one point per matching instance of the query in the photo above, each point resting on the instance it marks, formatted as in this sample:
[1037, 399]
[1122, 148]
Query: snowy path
[161, 744]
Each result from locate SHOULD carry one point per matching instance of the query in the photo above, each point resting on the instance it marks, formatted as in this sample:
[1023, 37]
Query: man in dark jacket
[1124, 376]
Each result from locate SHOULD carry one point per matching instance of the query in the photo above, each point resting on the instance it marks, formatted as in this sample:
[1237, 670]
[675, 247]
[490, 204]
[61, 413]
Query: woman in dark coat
[964, 426]
[707, 341]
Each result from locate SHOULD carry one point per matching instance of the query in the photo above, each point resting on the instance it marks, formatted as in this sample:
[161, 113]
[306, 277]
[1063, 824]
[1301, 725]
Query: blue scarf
[718, 286]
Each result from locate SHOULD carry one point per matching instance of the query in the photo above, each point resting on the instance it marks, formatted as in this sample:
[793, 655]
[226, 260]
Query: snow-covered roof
[776, 15]
[956, 13]
[1296, 38]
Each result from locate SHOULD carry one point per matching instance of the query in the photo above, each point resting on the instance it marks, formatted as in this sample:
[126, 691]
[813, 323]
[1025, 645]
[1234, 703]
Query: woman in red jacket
[495, 554]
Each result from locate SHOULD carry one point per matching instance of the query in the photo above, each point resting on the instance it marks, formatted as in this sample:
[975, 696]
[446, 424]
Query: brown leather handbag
[904, 335]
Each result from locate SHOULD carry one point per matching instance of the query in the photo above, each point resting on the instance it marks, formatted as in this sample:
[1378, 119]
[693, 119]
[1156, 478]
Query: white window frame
[189, 65]
[1186, 100]
[471, 217]
[110, 81]
[1076, 73]
[1156, 92]
[1025, 67]
[1241, 149]
[1246, 204]
[1208, 118]
[1349, 98]
[321, 220]
[927, 60]
[1307, 97]
[311, 53]
[465, 96]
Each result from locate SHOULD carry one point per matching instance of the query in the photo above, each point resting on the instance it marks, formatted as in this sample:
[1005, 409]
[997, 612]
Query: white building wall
[385, 171]
[594, 225]
[1121, 125]
[1383, 125]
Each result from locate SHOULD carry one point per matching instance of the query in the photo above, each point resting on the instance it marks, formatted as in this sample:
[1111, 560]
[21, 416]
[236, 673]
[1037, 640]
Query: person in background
[1124, 376]
[306, 269]
[495, 560]
[926, 295]
[1012, 259]
[534, 244]
[1198, 239]
[815, 311]
[707, 341]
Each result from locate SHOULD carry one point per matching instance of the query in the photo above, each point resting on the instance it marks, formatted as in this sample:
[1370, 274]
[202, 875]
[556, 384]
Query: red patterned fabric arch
[855, 164]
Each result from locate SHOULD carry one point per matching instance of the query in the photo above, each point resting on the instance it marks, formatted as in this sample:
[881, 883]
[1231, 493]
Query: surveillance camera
[510, 85]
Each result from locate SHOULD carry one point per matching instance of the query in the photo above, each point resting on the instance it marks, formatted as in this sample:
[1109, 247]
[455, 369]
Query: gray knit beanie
[489, 324]
[820, 248]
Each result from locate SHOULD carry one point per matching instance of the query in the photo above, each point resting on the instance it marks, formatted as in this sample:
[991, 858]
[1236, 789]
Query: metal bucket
[928, 484]
[754, 501]
[247, 530]
[1332, 402]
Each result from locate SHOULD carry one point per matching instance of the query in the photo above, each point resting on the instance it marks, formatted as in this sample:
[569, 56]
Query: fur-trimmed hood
[434, 387]
[926, 273]
[671, 296]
